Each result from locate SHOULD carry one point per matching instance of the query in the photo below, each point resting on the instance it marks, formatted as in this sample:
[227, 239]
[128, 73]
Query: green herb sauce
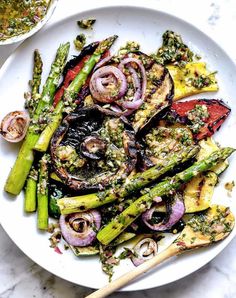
[173, 50]
[20, 16]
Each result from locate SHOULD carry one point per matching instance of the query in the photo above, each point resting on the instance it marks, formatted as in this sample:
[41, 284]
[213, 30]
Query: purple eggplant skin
[70, 134]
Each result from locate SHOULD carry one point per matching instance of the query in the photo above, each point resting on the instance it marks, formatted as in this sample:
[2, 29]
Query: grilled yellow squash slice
[192, 79]
[199, 191]
[207, 147]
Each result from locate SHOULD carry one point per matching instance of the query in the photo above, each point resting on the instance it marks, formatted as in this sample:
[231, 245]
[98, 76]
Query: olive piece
[93, 147]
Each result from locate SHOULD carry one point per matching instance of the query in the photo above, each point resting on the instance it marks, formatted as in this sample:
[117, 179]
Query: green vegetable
[24, 161]
[42, 193]
[124, 219]
[32, 102]
[54, 195]
[68, 104]
[30, 191]
[140, 180]
[84, 251]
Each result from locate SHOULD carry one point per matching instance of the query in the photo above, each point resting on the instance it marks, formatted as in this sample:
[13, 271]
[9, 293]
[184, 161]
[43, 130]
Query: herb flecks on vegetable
[33, 97]
[131, 185]
[68, 105]
[25, 158]
[42, 193]
[193, 78]
[173, 50]
[86, 23]
[80, 41]
[122, 221]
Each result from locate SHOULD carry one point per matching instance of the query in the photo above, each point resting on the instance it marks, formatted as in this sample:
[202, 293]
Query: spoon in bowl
[202, 229]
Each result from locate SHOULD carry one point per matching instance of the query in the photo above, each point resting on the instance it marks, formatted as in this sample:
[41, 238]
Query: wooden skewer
[189, 239]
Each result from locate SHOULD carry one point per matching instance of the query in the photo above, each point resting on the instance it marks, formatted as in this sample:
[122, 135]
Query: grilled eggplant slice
[159, 89]
[193, 78]
[92, 149]
[159, 94]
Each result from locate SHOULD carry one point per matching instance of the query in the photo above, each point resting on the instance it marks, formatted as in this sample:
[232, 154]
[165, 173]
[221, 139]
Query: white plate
[130, 23]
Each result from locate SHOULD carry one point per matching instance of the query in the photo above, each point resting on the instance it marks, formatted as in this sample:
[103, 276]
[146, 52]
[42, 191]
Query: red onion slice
[14, 126]
[139, 94]
[103, 61]
[177, 210]
[142, 70]
[79, 229]
[109, 89]
[146, 249]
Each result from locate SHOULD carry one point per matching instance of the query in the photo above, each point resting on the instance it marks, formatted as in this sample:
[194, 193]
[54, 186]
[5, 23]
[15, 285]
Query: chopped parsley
[80, 41]
[197, 116]
[173, 50]
[86, 23]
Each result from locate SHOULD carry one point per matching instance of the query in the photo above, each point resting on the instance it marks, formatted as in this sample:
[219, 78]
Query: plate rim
[106, 4]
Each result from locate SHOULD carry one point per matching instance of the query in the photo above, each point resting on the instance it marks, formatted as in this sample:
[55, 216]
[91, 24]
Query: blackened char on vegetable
[115, 137]
[203, 116]
[72, 68]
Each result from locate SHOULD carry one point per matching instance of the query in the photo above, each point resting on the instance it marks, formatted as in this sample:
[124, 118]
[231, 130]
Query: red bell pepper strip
[217, 110]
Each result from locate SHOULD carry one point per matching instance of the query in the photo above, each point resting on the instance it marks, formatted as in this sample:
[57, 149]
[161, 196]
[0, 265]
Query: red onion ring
[99, 84]
[140, 89]
[177, 210]
[103, 61]
[14, 126]
[141, 256]
[78, 229]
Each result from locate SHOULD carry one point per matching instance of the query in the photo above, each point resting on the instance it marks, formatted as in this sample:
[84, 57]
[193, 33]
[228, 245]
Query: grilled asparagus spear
[32, 102]
[42, 193]
[124, 219]
[70, 94]
[30, 191]
[140, 180]
[25, 158]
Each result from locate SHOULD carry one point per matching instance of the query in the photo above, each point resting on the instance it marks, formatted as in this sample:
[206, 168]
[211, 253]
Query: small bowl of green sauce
[21, 19]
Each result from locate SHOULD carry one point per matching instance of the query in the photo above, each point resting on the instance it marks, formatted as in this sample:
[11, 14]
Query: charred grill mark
[223, 117]
[198, 197]
[159, 82]
[171, 94]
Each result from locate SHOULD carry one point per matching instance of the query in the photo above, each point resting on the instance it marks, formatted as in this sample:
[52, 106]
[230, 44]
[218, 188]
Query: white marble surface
[20, 277]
